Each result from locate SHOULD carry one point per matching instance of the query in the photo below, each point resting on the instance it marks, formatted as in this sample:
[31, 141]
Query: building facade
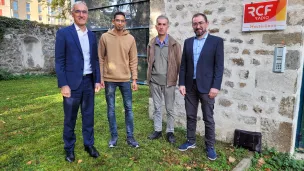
[34, 10]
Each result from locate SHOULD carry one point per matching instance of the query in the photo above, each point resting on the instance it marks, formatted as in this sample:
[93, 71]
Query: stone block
[276, 82]
[255, 62]
[235, 40]
[295, 17]
[286, 107]
[292, 60]
[288, 39]
[180, 7]
[276, 134]
[221, 9]
[244, 74]
[238, 61]
[225, 102]
[251, 41]
[257, 109]
[229, 84]
[227, 72]
[250, 120]
[214, 30]
[227, 20]
[246, 52]
[231, 49]
[263, 52]
[242, 107]
[242, 85]
[207, 12]
[227, 31]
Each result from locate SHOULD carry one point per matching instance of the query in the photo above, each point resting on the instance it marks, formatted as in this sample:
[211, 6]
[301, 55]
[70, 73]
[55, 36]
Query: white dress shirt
[85, 47]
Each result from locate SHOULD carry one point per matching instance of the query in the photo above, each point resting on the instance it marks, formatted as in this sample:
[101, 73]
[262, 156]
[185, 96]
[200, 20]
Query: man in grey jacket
[164, 58]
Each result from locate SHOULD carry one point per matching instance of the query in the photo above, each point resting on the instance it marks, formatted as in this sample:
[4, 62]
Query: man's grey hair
[162, 17]
[76, 3]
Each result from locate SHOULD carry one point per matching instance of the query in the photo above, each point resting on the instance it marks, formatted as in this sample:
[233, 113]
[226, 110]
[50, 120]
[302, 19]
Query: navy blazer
[69, 62]
[210, 66]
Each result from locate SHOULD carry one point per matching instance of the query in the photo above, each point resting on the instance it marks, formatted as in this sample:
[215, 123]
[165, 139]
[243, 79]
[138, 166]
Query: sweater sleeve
[133, 62]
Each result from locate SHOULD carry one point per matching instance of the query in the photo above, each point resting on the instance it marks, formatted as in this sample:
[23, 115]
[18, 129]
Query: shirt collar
[205, 37]
[165, 42]
[78, 29]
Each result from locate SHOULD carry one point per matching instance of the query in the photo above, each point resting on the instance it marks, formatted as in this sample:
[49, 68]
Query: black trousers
[192, 99]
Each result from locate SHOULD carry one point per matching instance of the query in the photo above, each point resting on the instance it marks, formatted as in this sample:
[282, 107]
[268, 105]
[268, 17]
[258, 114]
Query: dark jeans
[192, 98]
[125, 89]
[83, 96]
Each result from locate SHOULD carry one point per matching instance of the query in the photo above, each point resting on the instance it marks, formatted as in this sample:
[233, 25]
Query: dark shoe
[155, 135]
[92, 151]
[113, 142]
[211, 154]
[170, 137]
[187, 145]
[132, 142]
[70, 157]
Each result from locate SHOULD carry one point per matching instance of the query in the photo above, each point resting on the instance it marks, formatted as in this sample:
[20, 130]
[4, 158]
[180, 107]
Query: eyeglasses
[119, 21]
[199, 23]
[80, 11]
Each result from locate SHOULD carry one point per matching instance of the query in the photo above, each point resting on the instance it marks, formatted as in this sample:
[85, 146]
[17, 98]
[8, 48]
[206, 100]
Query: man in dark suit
[200, 79]
[78, 74]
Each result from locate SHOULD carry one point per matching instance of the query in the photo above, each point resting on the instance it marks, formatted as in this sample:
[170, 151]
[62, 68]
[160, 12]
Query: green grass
[31, 124]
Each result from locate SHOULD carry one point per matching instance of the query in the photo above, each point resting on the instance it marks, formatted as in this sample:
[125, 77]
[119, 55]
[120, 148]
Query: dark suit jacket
[210, 66]
[69, 62]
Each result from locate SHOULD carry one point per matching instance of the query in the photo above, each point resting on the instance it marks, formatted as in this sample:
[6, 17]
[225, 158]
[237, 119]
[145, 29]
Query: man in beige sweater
[118, 60]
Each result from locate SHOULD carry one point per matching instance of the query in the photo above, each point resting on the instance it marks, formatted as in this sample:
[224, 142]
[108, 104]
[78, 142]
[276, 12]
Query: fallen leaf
[188, 167]
[267, 169]
[3, 122]
[261, 161]
[7, 98]
[19, 118]
[231, 159]
[79, 161]
[29, 162]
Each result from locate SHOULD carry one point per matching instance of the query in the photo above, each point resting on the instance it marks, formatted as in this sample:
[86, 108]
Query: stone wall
[28, 48]
[252, 97]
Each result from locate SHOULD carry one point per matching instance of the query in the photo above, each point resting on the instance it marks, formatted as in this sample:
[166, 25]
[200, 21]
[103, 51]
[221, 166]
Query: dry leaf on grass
[188, 167]
[267, 169]
[19, 118]
[231, 159]
[261, 161]
[29, 162]
[79, 161]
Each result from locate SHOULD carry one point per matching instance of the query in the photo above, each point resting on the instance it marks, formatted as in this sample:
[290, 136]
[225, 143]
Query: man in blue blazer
[200, 79]
[78, 74]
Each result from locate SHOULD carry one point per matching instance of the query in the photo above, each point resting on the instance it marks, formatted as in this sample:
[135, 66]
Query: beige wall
[46, 17]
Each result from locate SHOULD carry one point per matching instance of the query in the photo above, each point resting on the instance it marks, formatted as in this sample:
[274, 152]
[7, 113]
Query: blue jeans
[125, 89]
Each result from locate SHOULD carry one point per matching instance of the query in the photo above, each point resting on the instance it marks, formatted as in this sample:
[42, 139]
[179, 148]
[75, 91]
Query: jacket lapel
[191, 48]
[75, 37]
[206, 46]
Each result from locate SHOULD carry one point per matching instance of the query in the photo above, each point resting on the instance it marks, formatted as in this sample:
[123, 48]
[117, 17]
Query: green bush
[274, 160]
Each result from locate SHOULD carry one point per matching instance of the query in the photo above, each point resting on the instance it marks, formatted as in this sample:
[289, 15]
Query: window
[40, 18]
[16, 15]
[39, 8]
[28, 7]
[15, 6]
[28, 16]
[137, 17]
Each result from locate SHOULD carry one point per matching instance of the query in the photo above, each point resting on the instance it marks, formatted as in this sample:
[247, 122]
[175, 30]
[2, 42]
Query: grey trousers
[169, 95]
[192, 98]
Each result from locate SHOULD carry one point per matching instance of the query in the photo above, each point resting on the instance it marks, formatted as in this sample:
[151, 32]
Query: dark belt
[85, 75]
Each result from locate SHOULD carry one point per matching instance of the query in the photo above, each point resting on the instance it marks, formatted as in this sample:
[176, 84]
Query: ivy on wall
[8, 23]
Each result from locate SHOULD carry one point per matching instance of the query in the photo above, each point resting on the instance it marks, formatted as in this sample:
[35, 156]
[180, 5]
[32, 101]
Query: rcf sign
[268, 15]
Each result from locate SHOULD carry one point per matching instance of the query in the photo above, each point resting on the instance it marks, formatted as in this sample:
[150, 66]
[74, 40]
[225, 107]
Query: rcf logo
[260, 12]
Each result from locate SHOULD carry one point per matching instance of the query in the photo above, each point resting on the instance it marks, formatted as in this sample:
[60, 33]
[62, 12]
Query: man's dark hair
[200, 14]
[119, 13]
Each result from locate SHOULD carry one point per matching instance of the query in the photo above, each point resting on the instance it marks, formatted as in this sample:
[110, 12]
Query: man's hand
[66, 91]
[182, 90]
[97, 87]
[213, 93]
[102, 84]
[134, 85]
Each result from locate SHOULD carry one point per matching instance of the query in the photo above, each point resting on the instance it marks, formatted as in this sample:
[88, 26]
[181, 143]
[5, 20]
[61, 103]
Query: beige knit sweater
[117, 57]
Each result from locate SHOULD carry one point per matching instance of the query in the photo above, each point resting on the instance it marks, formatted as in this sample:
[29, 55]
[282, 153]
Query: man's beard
[199, 33]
